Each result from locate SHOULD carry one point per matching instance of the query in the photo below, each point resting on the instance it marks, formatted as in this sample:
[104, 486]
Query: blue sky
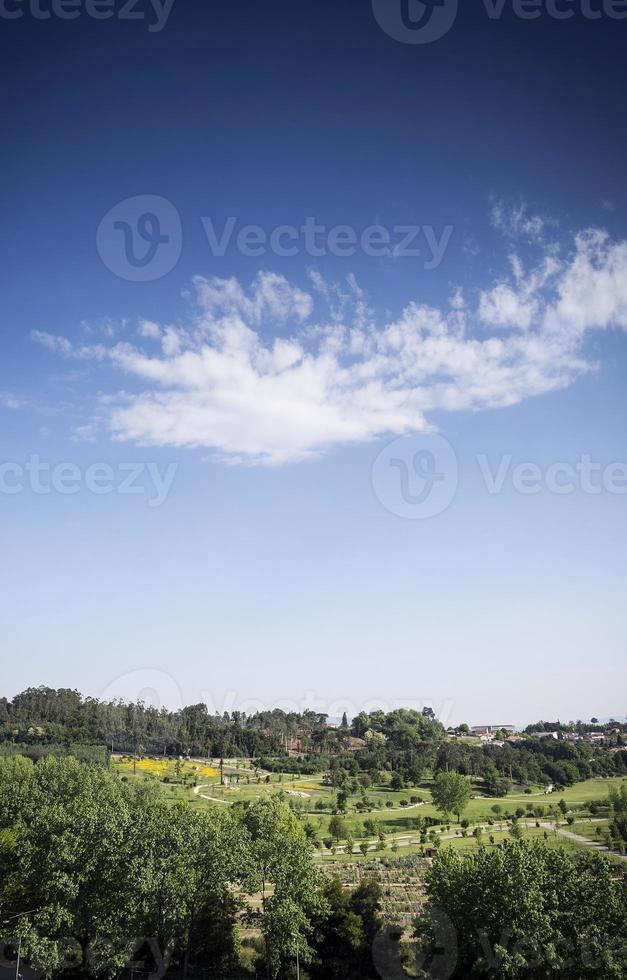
[253, 397]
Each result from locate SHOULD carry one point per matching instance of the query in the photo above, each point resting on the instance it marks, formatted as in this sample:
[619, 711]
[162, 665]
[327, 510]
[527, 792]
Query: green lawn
[395, 821]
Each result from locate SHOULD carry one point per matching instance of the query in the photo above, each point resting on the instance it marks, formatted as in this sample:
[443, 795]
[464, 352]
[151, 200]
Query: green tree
[516, 830]
[74, 863]
[344, 932]
[337, 828]
[618, 812]
[494, 784]
[526, 910]
[280, 861]
[451, 793]
[102, 861]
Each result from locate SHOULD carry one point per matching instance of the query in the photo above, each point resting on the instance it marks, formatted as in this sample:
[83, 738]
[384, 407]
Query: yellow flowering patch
[161, 767]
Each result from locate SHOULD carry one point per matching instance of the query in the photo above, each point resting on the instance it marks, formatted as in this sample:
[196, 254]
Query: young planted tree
[451, 793]
[338, 827]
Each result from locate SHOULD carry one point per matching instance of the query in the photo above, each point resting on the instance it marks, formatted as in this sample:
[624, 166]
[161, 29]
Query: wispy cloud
[519, 223]
[61, 345]
[260, 375]
[9, 400]
[88, 432]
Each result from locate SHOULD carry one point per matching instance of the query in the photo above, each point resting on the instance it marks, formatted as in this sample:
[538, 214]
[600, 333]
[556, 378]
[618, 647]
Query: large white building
[489, 731]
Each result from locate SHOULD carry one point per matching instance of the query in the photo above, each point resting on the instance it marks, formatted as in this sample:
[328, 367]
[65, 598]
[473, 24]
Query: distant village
[611, 735]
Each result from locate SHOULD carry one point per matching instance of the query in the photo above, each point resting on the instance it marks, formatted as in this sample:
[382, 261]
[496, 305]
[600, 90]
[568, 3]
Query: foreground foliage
[107, 874]
[105, 866]
[523, 910]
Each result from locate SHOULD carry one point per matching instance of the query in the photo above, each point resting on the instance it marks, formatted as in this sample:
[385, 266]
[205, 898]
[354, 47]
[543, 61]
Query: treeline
[522, 762]
[108, 874]
[613, 726]
[43, 714]
[531, 761]
[406, 743]
[401, 729]
[410, 744]
[97, 754]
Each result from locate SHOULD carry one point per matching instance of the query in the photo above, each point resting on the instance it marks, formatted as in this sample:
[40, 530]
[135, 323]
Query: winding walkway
[596, 845]
[212, 799]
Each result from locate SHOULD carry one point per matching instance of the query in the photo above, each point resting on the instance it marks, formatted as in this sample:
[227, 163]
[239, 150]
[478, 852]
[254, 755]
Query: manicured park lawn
[199, 783]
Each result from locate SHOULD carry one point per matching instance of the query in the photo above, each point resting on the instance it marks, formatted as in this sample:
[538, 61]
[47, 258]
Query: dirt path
[212, 799]
[596, 845]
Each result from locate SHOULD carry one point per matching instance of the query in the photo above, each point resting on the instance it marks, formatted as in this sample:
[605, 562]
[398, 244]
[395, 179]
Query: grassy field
[199, 783]
[398, 860]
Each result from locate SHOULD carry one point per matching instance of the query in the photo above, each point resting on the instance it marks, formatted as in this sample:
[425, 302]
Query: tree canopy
[451, 793]
[523, 910]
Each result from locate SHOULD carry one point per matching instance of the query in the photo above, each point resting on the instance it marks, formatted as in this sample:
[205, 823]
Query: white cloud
[9, 400]
[225, 381]
[147, 328]
[272, 298]
[61, 345]
[516, 221]
[592, 291]
[86, 433]
[517, 304]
